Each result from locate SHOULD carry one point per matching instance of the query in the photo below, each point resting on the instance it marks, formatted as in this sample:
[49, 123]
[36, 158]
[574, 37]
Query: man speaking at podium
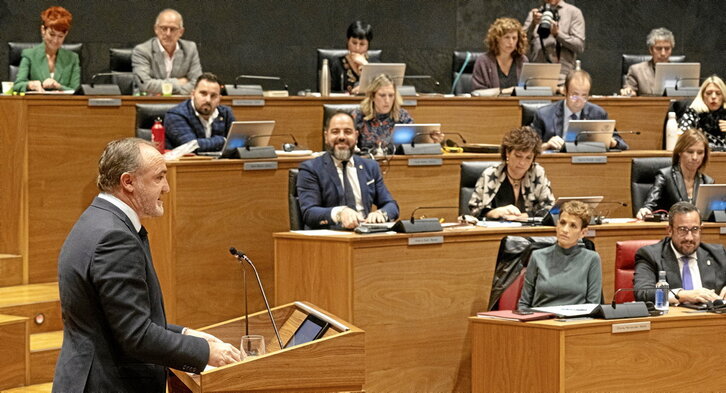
[115, 335]
[338, 189]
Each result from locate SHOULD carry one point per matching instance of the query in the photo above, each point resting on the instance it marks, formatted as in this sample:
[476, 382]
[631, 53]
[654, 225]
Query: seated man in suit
[641, 77]
[695, 271]
[552, 121]
[334, 194]
[200, 117]
[166, 58]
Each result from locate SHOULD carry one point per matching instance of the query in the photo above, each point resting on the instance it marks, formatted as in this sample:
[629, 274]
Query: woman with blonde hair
[680, 182]
[708, 112]
[502, 64]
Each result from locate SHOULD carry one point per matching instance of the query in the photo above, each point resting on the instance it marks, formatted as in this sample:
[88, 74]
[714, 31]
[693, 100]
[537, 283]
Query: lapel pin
[708, 262]
[360, 166]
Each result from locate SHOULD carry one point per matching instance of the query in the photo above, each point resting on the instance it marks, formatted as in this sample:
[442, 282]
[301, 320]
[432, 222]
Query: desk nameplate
[104, 102]
[630, 327]
[423, 240]
[589, 159]
[248, 102]
[260, 166]
[425, 161]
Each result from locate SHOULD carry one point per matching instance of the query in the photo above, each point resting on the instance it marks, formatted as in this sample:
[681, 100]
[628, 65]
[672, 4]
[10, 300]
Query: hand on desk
[51, 84]
[555, 143]
[509, 212]
[376, 217]
[349, 218]
[627, 92]
[642, 213]
[701, 295]
[221, 354]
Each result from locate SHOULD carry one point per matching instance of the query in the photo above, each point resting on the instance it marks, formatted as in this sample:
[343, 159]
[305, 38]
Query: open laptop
[677, 76]
[589, 136]
[554, 214]
[242, 133]
[540, 74]
[415, 138]
[372, 70]
[711, 198]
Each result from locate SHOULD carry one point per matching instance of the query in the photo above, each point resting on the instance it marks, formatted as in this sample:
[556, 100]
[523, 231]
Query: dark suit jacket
[649, 260]
[549, 120]
[670, 188]
[115, 335]
[150, 70]
[34, 66]
[182, 126]
[320, 190]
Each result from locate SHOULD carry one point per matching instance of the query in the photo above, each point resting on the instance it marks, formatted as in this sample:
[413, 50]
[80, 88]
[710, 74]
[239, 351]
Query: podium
[332, 363]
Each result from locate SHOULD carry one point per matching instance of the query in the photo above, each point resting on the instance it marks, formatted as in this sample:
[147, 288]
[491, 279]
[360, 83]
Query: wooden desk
[413, 300]
[551, 356]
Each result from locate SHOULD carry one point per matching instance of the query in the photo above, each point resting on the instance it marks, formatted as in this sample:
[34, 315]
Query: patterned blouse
[378, 131]
[706, 122]
[350, 77]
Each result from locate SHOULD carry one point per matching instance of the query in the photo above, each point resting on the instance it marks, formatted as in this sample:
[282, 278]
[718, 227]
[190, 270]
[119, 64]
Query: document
[574, 310]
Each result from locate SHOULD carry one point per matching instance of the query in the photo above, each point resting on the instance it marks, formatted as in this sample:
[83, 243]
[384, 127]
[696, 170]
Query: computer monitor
[244, 133]
[589, 136]
[372, 70]
[711, 198]
[415, 138]
[540, 75]
[673, 77]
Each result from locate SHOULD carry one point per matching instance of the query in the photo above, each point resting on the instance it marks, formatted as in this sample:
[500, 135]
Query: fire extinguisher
[158, 134]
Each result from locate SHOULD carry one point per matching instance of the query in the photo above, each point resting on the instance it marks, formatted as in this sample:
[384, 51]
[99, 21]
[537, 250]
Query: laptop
[711, 198]
[240, 132]
[415, 138]
[589, 136]
[540, 74]
[372, 70]
[677, 76]
[554, 214]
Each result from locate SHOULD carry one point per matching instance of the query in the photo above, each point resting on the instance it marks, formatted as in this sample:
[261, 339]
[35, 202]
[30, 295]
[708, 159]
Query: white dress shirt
[352, 173]
[130, 213]
[168, 60]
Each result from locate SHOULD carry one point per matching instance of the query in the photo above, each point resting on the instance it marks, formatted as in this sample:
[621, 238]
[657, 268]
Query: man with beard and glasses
[337, 190]
[200, 117]
[695, 271]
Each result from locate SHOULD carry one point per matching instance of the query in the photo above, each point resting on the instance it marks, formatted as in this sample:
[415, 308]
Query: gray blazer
[115, 335]
[149, 69]
[641, 78]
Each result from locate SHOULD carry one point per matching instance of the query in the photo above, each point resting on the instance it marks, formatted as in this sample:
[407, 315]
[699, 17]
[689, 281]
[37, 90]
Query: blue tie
[686, 274]
[348, 196]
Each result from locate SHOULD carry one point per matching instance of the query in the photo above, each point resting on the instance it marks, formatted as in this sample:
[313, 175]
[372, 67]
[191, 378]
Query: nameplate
[631, 327]
[722, 230]
[425, 161]
[104, 102]
[260, 166]
[409, 102]
[589, 159]
[248, 102]
[591, 233]
[419, 241]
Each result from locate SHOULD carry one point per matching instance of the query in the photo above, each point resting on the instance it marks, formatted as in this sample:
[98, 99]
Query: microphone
[459, 135]
[422, 77]
[241, 257]
[249, 141]
[102, 89]
[422, 224]
[260, 77]
[577, 137]
[633, 290]
[93, 78]
[418, 134]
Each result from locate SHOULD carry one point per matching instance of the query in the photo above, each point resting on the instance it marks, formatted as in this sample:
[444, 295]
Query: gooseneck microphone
[241, 257]
[615, 295]
[95, 76]
[413, 220]
[253, 137]
[260, 77]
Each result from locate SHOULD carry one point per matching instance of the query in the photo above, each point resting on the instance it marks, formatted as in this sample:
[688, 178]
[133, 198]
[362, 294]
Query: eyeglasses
[683, 231]
[577, 97]
[168, 29]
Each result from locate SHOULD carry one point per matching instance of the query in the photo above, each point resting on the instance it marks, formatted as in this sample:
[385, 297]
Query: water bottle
[661, 293]
[325, 79]
[158, 134]
[578, 65]
[671, 131]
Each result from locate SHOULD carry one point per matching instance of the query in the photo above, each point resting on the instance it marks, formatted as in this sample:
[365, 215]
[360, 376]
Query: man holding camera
[556, 33]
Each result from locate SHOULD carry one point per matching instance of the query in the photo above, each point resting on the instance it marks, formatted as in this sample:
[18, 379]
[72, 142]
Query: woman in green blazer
[48, 66]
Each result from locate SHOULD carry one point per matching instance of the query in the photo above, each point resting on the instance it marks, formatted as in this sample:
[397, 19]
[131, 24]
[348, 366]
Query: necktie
[348, 196]
[573, 116]
[686, 274]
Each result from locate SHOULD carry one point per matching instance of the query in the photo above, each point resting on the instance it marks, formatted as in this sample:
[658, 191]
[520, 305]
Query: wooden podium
[333, 363]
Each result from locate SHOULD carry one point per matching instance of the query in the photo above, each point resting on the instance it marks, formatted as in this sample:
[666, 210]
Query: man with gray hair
[166, 58]
[115, 334]
[641, 77]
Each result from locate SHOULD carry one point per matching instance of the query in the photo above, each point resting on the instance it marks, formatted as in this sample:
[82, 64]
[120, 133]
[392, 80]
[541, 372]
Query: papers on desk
[573, 310]
[294, 153]
[323, 232]
[68, 92]
[618, 220]
[509, 315]
[499, 224]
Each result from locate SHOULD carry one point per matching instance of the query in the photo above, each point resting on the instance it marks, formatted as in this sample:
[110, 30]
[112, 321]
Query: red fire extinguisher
[158, 134]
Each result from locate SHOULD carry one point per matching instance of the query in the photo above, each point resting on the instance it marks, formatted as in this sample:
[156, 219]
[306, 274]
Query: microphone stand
[241, 257]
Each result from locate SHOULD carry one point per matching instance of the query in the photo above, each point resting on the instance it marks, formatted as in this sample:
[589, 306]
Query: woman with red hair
[48, 66]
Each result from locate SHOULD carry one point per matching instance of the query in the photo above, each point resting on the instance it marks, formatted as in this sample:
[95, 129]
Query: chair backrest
[529, 109]
[293, 206]
[628, 60]
[642, 177]
[15, 51]
[146, 114]
[333, 56]
[510, 297]
[458, 59]
[120, 59]
[470, 172]
[625, 266]
[331, 109]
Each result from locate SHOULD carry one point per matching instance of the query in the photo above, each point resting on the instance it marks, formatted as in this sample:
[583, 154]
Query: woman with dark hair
[48, 66]
[680, 182]
[501, 65]
[518, 187]
[359, 37]
[708, 112]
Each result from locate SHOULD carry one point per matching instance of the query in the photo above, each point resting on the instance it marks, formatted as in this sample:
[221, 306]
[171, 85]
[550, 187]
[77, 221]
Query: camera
[549, 16]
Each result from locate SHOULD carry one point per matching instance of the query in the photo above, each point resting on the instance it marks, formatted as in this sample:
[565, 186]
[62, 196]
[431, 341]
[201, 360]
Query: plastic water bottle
[671, 131]
[325, 79]
[578, 65]
[158, 135]
[661, 293]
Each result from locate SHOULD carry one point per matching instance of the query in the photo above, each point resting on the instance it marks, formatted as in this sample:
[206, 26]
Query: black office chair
[293, 206]
[15, 50]
[330, 109]
[146, 114]
[470, 172]
[120, 65]
[529, 109]
[464, 84]
[679, 107]
[642, 177]
[336, 67]
[628, 60]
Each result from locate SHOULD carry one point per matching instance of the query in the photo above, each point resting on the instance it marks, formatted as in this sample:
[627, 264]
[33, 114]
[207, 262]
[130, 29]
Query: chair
[642, 177]
[120, 65]
[679, 107]
[529, 109]
[470, 172]
[15, 50]
[628, 60]
[293, 206]
[464, 84]
[510, 297]
[331, 109]
[625, 265]
[146, 114]
[336, 67]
